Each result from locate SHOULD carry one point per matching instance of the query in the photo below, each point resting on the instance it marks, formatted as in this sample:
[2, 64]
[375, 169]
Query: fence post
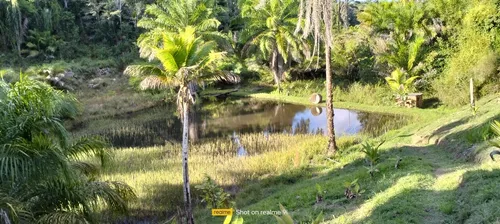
[471, 92]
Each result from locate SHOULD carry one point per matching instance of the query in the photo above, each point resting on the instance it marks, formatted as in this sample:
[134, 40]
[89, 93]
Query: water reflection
[232, 118]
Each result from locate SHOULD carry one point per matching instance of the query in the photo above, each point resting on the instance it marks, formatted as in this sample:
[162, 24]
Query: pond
[158, 125]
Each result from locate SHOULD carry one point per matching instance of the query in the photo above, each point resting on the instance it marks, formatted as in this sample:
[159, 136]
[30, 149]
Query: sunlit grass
[434, 182]
[156, 172]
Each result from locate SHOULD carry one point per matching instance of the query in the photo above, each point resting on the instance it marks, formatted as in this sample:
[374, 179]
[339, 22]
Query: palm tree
[173, 16]
[44, 178]
[184, 59]
[318, 16]
[270, 29]
[402, 29]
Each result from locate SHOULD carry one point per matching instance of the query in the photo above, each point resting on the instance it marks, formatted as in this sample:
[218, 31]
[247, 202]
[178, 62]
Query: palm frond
[115, 194]
[156, 82]
[12, 211]
[87, 168]
[88, 147]
[143, 70]
[63, 217]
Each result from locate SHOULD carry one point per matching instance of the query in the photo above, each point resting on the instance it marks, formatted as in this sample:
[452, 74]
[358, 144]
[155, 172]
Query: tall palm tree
[315, 17]
[184, 59]
[173, 16]
[270, 29]
[43, 177]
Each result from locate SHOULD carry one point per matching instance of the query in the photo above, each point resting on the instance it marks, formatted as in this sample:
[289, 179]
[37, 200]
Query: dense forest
[442, 42]
[371, 53]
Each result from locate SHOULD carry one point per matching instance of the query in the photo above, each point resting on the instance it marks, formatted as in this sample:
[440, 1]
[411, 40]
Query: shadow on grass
[476, 200]
[432, 103]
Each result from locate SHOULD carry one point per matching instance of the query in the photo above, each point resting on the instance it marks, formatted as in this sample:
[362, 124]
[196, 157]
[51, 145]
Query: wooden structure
[415, 100]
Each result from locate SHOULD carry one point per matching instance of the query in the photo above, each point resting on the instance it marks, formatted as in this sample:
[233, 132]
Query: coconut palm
[317, 16]
[270, 29]
[184, 59]
[44, 178]
[173, 16]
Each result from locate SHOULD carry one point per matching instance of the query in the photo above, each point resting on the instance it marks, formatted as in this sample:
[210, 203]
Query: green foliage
[175, 16]
[474, 109]
[479, 134]
[353, 189]
[184, 58]
[400, 83]
[372, 155]
[212, 194]
[270, 31]
[41, 44]
[495, 128]
[320, 194]
[44, 177]
[286, 218]
[352, 56]
[473, 57]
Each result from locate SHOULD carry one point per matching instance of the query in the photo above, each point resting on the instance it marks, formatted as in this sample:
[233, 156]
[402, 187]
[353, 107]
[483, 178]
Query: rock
[104, 71]
[316, 111]
[58, 83]
[97, 83]
[66, 75]
[64, 81]
[315, 98]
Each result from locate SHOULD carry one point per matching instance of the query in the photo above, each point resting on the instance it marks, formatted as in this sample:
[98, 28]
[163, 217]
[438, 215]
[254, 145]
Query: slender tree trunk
[185, 172]
[194, 131]
[330, 114]
[275, 68]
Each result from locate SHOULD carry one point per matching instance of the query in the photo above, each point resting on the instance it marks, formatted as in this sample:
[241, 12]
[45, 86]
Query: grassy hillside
[444, 175]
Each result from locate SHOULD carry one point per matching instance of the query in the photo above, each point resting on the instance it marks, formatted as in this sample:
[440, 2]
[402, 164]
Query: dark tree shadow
[433, 102]
[476, 200]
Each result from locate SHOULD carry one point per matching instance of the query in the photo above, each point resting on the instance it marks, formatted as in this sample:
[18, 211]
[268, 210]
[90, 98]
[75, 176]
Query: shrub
[212, 194]
[474, 57]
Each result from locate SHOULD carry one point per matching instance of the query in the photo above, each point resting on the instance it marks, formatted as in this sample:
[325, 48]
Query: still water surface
[157, 125]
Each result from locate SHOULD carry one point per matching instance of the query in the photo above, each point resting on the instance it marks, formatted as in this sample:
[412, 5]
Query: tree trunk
[332, 144]
[194, 130]
[185, 172]
[277, 67]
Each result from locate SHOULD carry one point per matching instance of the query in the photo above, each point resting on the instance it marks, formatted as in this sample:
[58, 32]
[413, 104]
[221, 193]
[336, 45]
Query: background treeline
[444, 42]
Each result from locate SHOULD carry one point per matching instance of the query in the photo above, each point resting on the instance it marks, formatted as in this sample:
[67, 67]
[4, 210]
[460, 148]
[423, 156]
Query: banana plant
[372, 155]
[400, 83]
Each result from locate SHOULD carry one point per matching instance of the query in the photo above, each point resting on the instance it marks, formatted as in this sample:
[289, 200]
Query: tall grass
[156, 172]
[370, 94]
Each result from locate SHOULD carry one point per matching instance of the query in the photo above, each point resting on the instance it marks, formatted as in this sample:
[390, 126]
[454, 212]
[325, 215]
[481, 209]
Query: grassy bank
[444, 175]
[156, 173]
[265, 93]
